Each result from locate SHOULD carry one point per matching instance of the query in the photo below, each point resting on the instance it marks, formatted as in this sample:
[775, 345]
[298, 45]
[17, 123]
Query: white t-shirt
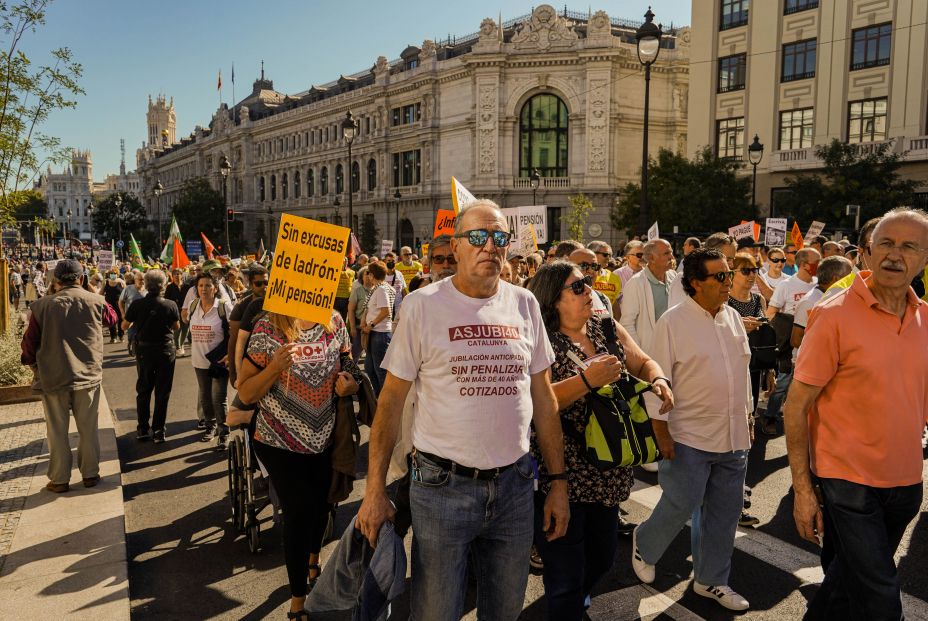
[801, 318]
[206, 332]
[192, 293]
[599, 307]
[398, 283]
[379, 299]
[471, 360]
[772, 282]
[787, 294]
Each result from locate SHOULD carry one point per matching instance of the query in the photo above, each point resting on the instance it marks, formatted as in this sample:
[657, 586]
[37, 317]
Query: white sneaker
[724, 595]
[644, 571]
[652, 467]
[181, 352]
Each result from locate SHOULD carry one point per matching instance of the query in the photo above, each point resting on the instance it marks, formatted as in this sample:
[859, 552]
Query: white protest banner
[654, 232]
[386, 245]
[526, 243]
[776, 232]
[815, 228]
[536, 215]
[460, 196]
[104, 260]
[308, 260]
[742, 230]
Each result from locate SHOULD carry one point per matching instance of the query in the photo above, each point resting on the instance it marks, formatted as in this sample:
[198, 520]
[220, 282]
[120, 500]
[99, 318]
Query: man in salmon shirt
[854, 420]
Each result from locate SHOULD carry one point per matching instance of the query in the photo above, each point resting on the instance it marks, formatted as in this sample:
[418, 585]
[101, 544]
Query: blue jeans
[455, 518]
[775, 404]
[865, 525]
[709, 488]
[575, 562]
[376, 351]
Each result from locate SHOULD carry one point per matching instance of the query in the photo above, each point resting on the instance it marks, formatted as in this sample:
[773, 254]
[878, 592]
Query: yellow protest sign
[460, 196]
[425, 250]
[307, 265]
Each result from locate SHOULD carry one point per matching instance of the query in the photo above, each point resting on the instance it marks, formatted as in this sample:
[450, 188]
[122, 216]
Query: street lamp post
[90, 211]
[68, 236]
[335, 205]
[535, 180]
[349, 131]
[158, 189]
[117, 200]
[224, 169]
[396, 227]
[649, 46]
[755, 155]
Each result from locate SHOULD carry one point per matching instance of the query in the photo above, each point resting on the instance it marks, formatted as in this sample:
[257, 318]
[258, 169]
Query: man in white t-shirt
[830, 270]
[378, 324]
[476, 353]
[784, 301]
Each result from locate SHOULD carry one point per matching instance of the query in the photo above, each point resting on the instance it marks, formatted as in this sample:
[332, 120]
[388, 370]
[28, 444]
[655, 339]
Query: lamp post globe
[225, 167]
[755, 155]
[648, 37]
[349, 132]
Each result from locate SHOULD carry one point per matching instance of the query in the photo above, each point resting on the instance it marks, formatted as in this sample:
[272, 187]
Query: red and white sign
[310, 353]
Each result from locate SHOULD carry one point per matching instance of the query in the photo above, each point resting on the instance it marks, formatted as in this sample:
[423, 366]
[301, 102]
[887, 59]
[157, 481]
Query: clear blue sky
[132, 49]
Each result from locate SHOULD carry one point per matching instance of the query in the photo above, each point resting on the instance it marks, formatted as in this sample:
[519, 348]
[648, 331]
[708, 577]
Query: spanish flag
[219, 81]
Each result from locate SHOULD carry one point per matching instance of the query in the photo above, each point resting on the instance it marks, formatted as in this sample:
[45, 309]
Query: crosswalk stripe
[775, 552]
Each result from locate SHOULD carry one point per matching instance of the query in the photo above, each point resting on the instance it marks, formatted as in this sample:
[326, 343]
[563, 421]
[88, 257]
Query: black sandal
[300, 614]
[311, 582]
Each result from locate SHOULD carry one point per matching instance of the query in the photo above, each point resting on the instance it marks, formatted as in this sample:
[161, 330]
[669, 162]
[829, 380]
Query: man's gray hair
[597, 245]
[631, 247]
[805, 255]
[438, 242]
[155, 280]
[918, 216]
[832, 269]
[651, 247]
[717, 240]
[480, 202]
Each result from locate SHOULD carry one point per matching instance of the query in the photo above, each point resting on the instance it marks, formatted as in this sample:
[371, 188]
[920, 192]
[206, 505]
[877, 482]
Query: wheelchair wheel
[254, 537]
[235, 492]
[329, 526]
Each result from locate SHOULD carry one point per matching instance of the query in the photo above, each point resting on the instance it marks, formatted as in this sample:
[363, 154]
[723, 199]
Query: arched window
[543, 137]
[324, 181]
[273, 187]
[371, 174]
[310, 183]
[355, 177]
[261, 189]
[296, 184]
[284, 188]
[339, 179]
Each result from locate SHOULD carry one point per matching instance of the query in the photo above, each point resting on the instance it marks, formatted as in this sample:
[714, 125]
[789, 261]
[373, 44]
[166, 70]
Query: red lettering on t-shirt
[483, 331]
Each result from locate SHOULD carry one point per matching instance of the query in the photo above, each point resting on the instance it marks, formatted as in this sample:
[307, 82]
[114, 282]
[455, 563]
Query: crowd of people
[486, 363]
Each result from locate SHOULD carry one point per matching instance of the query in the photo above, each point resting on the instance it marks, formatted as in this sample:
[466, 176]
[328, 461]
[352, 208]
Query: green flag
[134, 250]
[167, 254]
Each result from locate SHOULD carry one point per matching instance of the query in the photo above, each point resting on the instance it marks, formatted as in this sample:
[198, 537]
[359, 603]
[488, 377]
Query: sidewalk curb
[68, 555]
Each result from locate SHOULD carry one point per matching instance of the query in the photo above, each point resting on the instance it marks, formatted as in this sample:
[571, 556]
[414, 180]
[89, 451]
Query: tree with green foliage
[705, 194]
[30, 206]
[107, 223]
[580, 208]
[200, 208]
[369, 235]
[850, 176]
[28, 95]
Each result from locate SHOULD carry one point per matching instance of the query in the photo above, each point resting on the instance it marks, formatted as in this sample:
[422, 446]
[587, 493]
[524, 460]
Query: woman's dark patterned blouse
[585, 483]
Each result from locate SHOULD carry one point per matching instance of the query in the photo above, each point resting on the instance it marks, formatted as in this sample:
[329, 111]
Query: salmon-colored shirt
[866, 424]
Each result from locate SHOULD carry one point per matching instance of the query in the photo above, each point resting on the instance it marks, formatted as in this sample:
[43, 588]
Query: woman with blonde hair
[294, 370]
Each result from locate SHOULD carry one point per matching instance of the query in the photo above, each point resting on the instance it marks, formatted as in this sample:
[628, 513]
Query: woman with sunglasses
[574, 563]
[774, 275]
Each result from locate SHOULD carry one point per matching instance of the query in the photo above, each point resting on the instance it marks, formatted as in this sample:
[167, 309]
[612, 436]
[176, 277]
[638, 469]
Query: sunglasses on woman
[579, 286]
[721, 276]
[478, 237]
[777, 260]
[747, 271]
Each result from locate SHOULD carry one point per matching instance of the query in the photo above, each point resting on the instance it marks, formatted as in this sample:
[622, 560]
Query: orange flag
[444, 223]
[179, 257]
[797, 236]
[208, 248]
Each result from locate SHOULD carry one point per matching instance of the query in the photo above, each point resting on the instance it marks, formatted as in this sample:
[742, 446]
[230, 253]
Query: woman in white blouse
[209, 330]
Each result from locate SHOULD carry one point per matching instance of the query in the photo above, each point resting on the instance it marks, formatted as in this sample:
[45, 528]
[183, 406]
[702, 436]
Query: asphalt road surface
[187, 562]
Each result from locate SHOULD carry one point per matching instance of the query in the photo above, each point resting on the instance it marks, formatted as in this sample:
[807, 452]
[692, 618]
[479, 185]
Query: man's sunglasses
[747, 271]
[588, 266]
[441, 258]
[478, 237]
[579, 286]
[721, 276]
[636, 254]
[258, 283]
[608, 255]
[777, 260]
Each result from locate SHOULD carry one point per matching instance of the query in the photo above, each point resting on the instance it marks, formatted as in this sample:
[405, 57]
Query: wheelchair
[250, 491]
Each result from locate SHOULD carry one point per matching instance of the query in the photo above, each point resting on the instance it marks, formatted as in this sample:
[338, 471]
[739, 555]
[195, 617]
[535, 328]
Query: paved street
[186, 562]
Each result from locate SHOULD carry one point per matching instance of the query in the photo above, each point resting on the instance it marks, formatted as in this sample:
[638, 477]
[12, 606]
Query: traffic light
[230, 215]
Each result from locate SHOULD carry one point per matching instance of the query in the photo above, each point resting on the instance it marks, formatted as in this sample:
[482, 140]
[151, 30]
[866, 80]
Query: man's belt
[464, 471]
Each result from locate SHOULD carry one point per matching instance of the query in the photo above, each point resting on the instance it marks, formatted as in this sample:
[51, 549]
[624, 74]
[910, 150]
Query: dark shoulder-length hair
[547, 285]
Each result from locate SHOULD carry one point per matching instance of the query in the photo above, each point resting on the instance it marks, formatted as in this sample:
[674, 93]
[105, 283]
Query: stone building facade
[560, 92]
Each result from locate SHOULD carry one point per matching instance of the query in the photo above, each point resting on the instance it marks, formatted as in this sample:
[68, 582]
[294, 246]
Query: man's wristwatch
[669, 385]
[560, 476]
